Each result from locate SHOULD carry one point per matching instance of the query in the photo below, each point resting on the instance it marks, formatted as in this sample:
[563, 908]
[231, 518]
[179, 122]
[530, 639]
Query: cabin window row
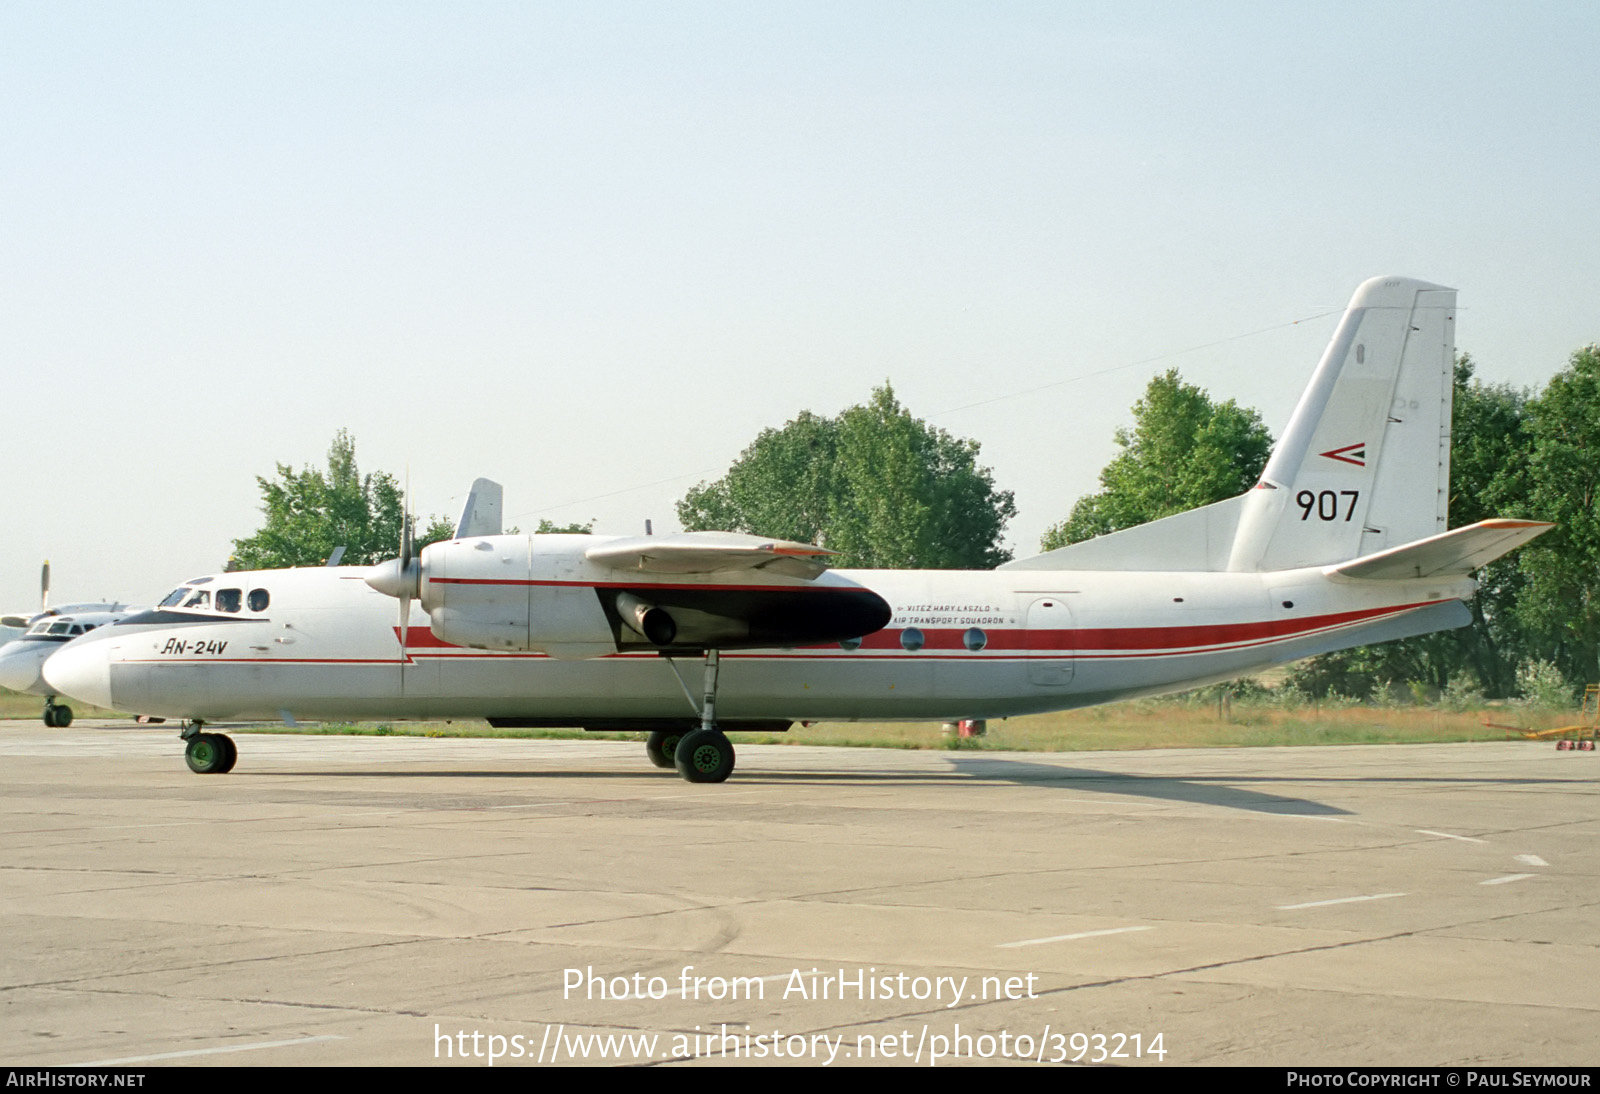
[912, 639]
[70, 629]
[227, 600]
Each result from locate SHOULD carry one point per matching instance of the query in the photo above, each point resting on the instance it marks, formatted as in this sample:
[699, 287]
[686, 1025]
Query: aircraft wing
[1455, 553]
[710, 553]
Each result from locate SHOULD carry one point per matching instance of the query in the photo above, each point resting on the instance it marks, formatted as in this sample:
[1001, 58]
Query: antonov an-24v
[1343, 542]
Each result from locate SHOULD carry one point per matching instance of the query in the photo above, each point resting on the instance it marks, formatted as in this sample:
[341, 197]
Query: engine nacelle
[514, 593]
[541, 593]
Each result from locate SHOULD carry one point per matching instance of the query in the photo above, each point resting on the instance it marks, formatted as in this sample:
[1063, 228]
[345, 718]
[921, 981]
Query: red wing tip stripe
[1086, 642]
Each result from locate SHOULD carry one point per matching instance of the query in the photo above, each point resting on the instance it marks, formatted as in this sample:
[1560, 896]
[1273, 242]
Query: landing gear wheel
[704, 756]
[50, 716]
[206, 754]
[662, 745]
[231, 751]
[63, 716]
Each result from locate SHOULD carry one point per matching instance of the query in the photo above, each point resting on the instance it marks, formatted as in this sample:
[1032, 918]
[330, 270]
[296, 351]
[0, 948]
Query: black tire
[704, 756]
[63, 716]
[662, 746]
[205, 754]
[50, 716]
[231, 751]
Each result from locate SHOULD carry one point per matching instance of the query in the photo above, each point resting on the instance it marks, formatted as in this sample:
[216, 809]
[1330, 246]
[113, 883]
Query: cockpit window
[39, 628]
[201, 599]
[76, 629]
[259, 599]
[174, 597]
[229, 600]
[58, 628]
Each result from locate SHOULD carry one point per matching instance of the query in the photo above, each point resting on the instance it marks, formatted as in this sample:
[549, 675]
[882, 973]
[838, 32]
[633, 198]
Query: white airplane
[1343, 542]
[45, 631]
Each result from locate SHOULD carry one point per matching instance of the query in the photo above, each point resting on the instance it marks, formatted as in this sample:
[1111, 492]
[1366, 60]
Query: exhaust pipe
[647, 619]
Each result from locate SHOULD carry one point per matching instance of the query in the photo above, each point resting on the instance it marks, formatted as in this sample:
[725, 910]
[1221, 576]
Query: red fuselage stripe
[1107, 640]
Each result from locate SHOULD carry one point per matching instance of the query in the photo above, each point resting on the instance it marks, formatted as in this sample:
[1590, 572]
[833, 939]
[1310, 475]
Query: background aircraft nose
[82, 672]
[20, 663]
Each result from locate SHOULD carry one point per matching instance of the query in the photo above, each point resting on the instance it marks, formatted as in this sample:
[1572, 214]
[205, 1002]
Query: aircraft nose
[82, 672]
[19, 666]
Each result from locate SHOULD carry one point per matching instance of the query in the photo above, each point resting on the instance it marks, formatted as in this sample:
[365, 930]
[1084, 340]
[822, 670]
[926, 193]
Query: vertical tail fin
[1363, 467]
[480, 516]
[1365, 463]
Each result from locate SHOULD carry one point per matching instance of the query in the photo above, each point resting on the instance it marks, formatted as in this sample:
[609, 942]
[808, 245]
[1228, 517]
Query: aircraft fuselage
[960, 644]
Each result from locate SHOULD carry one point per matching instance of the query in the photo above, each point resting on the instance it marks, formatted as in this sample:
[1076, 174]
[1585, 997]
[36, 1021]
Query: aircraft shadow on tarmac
[965, 769]
[1218, 792]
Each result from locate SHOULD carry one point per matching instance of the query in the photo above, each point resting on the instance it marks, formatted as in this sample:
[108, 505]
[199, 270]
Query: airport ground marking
[1338, 900]
[126, 1060]
[1448, 835]
[1069, 937]
[1504, 880]
[1532, 860]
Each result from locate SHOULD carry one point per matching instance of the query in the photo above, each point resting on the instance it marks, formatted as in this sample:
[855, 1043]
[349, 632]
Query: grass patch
[1151, 723]
[17, 704]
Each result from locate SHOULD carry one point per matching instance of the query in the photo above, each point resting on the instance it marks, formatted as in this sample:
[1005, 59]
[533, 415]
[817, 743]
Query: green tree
[310, 512]
[1184, 451]
[1560, 602]
[876, 484]
[781, 486]
[1490, 449]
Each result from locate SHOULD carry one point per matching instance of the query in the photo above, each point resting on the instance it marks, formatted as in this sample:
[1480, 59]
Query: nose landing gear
[208, 753]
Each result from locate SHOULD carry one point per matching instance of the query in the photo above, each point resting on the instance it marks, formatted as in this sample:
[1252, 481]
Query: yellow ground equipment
[1578, 737]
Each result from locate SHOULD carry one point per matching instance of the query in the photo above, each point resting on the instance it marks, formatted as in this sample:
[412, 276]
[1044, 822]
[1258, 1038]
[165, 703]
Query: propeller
[23, 622]
[410, 574]
[401, 577]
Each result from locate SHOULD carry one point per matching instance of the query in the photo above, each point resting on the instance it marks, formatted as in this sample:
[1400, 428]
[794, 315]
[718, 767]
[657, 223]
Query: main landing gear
[703, 755]
[208, 753]
[662, 746]
[57, 715]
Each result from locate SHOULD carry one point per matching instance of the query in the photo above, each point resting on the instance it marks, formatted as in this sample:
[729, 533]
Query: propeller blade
[407, 547]
[44, 586]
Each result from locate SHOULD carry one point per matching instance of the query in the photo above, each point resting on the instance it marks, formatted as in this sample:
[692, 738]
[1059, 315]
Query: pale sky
[591, 250]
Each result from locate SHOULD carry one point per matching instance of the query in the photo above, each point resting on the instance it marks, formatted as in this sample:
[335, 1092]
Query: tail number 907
[1326, 505]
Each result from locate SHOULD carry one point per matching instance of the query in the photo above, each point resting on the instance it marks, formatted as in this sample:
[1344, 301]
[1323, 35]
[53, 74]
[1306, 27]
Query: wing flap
[709, 553]
[1455, 553]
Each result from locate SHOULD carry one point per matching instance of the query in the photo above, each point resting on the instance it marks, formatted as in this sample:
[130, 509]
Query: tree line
[883, 488]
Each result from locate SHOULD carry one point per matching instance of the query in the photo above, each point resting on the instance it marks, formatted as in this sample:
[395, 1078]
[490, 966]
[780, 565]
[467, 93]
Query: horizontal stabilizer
[709, 553]
[1451, 554]
[481, 515]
